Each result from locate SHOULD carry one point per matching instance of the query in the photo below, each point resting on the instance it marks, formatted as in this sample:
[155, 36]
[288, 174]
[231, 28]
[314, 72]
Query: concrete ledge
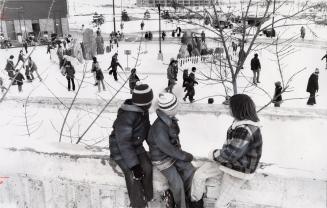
[39, 179]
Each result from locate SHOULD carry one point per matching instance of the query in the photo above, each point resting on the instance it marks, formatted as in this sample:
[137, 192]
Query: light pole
[113, 11]
[160, 56]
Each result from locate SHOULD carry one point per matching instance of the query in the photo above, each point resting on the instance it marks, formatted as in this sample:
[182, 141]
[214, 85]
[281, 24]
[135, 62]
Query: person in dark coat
[113, 66]
[313, 87]
[142, 25]
[150, 35]
[190, 91]
[20, 58]
[166, 152]
[172, 71]
[325, 57]
[255, 67]
[277, 100]
[19, 80]
[10, 67]
[25, 45]
[302, 32]
[203, 37]
[70, 74]
[234, 47]
[133, 79]
[130, 129]
[173, 33]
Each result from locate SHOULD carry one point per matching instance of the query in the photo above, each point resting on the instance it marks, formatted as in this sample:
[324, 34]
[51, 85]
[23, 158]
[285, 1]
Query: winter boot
[168, 198]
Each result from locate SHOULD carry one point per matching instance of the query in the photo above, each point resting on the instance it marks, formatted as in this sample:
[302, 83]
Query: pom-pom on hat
[167, 101]
[142, 95]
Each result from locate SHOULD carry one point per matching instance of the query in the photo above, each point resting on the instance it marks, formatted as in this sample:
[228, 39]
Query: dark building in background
[23, 17]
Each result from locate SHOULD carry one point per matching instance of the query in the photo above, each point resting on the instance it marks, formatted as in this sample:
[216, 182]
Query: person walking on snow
[25, 46]
[70, 74]
[255, 67]
[277, 100]
[10, 67]
[313, 87]
[113, 66]
[98, 75]
[133, 79]
[142, 25]
[130, 129]
[33, 68]
[203, 37]
[60, 54]
[302, 32]
[238, 159]
[325, 57]
[172, 71]
[190, 91]
[166, 152]
[20, 58]
[95, 65]
[234, 47]
[19, 80]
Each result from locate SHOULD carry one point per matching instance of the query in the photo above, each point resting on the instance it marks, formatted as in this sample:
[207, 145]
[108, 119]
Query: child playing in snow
[166, 152]
[239, 157]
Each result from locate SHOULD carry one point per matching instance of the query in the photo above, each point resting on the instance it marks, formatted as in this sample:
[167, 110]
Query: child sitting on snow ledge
[239, 157]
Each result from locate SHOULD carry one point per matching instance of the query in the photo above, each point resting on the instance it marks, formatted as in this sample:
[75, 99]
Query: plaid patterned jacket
[242, 149]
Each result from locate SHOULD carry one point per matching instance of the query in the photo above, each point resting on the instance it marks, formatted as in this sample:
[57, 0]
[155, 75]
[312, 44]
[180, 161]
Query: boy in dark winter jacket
[166, 152]
[130, 129]
[313, 87]
[19, 80]
[133, 79]
[239, 157]
[277, 100]
[190, 91]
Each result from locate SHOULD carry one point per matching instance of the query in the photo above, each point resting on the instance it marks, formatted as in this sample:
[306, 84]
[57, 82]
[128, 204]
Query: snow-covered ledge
[56, 179]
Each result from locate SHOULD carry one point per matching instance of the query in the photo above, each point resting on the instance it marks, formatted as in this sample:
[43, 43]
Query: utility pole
[273, 19]
[160, 56]
[113, 11]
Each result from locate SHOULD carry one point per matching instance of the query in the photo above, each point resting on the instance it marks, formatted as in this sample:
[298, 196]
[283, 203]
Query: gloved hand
[188, 157]
[138, 173]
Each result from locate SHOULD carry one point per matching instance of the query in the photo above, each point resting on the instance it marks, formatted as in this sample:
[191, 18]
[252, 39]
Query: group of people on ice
[14, 72]
[236, 161]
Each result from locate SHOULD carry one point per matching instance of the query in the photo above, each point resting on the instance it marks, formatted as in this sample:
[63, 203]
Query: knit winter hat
[142, 95]
[317, 71]
[167, 102]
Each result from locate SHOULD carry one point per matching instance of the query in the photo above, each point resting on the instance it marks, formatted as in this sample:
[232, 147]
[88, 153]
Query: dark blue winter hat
[142, 95]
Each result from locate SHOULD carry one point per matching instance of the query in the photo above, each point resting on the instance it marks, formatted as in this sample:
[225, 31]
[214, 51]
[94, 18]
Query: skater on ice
[277, 100]
[113, 66]
[256, 68]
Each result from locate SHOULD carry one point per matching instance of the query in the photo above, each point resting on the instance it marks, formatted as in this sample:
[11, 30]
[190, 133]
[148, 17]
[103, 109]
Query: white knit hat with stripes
[167, 101]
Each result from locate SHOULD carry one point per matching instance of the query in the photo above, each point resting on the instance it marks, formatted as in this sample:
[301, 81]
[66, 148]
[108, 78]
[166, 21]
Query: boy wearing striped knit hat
[166, 152]
[130, 129]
